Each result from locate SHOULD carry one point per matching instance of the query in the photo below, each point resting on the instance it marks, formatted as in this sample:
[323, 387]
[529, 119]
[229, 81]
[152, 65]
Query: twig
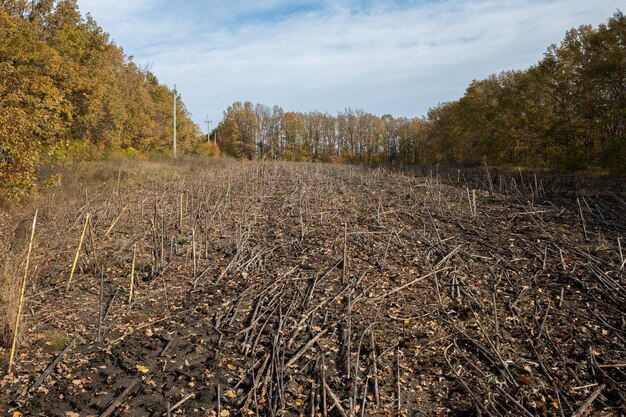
[306, 347]
[219, 399]
[51, 367]
[583, 408]
[415, 281]
[323, 378]
[119, 400]
[336, 401]
[477, 400]
[166, 348]
[181, 402]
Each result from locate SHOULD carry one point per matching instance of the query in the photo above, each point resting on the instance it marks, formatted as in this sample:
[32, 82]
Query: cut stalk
[132, 275]
[80, 245]
[92, 238]
[114, 222]
[180, 223]
[345, 254]
[20, 305]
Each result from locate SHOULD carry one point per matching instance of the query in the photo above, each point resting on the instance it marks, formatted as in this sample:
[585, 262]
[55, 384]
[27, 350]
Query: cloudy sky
[388, 56]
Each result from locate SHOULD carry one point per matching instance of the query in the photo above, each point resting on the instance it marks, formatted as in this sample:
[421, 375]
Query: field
[269, 288]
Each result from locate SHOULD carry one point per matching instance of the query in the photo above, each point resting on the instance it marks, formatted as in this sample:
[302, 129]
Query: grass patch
[136, 317]
[53, 341]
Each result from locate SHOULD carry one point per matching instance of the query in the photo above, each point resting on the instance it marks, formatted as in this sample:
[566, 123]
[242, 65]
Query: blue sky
[389, 56]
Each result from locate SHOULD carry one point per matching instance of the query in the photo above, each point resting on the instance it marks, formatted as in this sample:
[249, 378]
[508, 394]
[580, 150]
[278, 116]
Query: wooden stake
[80, 245]
[20, 305]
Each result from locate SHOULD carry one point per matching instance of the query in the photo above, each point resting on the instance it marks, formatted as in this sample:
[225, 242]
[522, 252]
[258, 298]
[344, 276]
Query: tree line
[67, 91]
[566, 113]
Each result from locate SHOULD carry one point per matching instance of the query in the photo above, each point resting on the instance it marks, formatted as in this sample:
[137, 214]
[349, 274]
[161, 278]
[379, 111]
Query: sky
[398, 57]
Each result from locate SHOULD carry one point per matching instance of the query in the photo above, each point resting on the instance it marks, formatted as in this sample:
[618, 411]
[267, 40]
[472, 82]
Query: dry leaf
[525, 380]
[143, 369]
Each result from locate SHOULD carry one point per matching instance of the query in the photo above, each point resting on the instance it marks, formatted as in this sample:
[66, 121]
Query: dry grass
[79, 183]
[53, 341]
[9, 295]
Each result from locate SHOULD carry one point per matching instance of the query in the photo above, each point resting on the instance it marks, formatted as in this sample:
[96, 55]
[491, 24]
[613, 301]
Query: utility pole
[208, 129]
[175, 97]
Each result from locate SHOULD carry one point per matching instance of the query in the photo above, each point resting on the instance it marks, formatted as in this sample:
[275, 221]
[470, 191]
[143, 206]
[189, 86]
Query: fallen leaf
[225, 413]
[143, 369]
[525, 380]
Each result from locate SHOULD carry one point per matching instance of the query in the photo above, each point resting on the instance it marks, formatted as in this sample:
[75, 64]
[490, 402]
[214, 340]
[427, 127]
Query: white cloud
[398, 60]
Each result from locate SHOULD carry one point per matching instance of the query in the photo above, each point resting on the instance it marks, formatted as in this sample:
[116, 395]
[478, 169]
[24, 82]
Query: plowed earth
[320, 290]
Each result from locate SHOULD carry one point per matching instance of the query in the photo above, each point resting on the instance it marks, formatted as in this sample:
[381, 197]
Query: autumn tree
[67, 91]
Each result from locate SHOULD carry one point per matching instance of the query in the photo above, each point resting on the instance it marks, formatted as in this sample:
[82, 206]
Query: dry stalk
[131, 289]
[582, 219]
[115, 222]
[20, 304]
[180, 218]
[345, 253]
[80, 245]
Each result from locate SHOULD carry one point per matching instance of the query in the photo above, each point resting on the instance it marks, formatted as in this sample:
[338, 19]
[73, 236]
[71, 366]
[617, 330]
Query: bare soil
[319, 290]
